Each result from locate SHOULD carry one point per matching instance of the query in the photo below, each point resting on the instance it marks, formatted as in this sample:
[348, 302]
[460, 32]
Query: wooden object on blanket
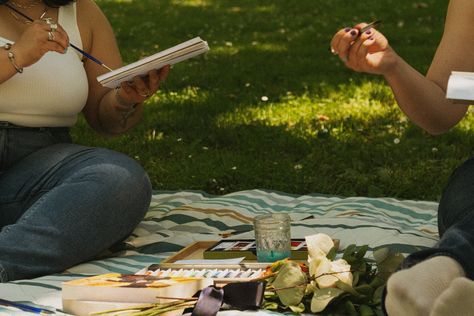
[201, 249]
[237, 248]
[115, 290]
[249, 269]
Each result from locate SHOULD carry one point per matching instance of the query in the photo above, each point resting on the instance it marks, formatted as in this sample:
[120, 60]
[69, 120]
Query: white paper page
[460, 86]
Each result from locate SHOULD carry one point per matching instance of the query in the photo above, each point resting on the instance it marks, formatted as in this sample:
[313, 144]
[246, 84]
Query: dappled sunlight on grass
[189, 94]
[308, 116]
[270, 107]
[230, 48]
[192, 3]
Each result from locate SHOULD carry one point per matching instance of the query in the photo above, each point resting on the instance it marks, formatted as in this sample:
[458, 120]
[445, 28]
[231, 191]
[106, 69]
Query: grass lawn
[270, 107]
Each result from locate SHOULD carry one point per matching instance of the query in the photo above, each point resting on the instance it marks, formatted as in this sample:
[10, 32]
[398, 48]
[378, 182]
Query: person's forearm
[115, 118]
[422, 100]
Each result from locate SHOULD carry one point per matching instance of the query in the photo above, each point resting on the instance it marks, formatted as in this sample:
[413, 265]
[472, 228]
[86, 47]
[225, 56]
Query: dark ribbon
[242, 295]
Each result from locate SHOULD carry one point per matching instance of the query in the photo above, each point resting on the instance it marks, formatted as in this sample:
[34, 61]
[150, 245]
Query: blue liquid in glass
[272, 255]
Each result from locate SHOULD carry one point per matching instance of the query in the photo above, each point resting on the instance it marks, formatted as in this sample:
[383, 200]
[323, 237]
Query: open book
[460, 86]
[170, 56]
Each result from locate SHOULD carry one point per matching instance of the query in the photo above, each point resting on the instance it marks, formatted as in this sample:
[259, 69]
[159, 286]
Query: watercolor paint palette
[219, 274]
[230, 248]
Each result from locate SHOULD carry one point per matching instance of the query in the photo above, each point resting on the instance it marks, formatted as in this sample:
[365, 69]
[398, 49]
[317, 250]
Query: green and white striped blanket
[177, 219]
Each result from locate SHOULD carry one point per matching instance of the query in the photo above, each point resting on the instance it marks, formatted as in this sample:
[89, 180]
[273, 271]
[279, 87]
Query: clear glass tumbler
[272, 236]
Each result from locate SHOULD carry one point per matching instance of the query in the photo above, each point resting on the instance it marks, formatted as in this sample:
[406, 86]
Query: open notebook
[170, 56]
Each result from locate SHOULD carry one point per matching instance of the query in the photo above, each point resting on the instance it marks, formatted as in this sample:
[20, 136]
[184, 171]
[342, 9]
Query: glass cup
[272, 236]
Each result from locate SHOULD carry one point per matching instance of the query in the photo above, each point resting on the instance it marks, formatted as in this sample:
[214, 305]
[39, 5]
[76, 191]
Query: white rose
[321, 268]
[318, 243]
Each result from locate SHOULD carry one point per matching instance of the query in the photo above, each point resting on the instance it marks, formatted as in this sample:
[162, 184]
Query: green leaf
[361, 251]
[298, 308]
[377, 297]
[349, 309]
[270, 295]
[346, 288]
[270, 305]
[366, 310]
[292, 282]
[332, 254]
[355, 278]
[365, 290]
[380, 254]
[322, 298]
[389, 265]
[348, 254]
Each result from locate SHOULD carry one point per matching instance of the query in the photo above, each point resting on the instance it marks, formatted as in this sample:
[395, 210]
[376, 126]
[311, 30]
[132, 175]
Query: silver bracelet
[11, 57]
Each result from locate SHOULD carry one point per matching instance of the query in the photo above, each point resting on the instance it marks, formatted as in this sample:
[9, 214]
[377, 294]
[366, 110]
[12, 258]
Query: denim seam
[27, 214]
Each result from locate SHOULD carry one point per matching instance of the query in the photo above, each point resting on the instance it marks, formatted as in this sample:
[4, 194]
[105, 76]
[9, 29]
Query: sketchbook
[114, 290]
[170, 56]
[460, 86]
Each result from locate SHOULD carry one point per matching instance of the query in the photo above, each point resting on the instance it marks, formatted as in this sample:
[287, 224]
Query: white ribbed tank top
[52, 91]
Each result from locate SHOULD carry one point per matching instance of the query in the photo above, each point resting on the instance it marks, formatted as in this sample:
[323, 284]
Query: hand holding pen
[52, 37]
[364, 49]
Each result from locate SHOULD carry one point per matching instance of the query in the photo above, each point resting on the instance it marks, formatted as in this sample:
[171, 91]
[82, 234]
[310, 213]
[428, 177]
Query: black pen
[5, 2]
[368, 27]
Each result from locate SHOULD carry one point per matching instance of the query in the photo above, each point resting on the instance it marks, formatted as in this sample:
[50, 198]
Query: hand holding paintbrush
[363, 48]
[53, 38]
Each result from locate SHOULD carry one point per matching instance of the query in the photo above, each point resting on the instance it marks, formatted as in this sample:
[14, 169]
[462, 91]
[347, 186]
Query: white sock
[412, 292]
[457, 299]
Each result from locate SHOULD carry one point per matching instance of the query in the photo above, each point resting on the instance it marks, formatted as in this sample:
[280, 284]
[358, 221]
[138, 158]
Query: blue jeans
[61, 203]
[455, 223]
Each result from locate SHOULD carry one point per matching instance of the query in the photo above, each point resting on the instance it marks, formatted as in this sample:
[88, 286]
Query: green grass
[323, 129]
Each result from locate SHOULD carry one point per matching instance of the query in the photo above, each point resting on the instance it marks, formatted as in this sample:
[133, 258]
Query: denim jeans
[61, 203]
[455, 223]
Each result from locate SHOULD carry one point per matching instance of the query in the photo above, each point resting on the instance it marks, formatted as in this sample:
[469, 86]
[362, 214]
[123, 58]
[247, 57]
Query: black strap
[241, 295]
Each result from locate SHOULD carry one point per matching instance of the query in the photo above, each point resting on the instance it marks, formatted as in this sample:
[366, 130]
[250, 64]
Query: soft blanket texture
[177, 219]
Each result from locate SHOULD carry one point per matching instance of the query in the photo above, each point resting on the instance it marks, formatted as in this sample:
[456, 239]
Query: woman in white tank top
[61, 203]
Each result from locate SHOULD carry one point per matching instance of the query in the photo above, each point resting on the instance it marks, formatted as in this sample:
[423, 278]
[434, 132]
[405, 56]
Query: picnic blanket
[177, 219]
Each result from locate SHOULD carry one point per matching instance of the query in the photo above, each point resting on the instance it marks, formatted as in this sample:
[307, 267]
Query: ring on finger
[145, 95]
[48, 21]
[54, 27]
[50, 36]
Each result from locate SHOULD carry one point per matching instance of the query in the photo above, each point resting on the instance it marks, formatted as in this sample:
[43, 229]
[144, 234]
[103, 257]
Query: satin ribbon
[242, 295]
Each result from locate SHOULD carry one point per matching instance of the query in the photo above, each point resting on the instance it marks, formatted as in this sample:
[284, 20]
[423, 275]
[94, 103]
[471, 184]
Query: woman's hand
[40, 37]
[368, 52]
[142, 87]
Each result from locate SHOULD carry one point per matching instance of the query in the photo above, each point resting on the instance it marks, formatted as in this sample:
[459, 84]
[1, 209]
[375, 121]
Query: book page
[170, 56]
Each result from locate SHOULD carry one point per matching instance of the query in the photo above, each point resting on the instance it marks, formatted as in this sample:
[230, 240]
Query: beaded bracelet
[11, 57]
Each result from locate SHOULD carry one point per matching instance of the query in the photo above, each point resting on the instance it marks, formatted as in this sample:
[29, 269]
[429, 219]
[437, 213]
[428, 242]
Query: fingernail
[65, 51]
[347, 29]
[368, 32]
[371, 38]
[353, 32]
